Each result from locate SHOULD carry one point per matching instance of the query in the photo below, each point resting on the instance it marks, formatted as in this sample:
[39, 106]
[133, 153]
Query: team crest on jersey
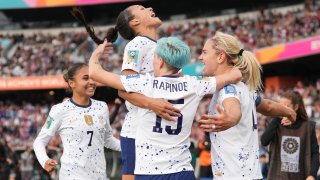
[49, 121]
[88, 119]
[230, 89]
[132, 56]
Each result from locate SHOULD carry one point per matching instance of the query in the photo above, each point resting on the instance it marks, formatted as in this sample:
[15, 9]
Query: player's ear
[134, 22]
[71, 83]
[221, 58]
[161, 62]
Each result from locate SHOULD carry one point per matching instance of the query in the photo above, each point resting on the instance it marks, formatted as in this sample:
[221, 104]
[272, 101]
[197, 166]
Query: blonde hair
[247, 64]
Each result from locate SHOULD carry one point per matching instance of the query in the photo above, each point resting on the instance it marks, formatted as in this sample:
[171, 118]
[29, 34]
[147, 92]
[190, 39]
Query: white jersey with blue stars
[85, 131]
[235, 151]
[162, 147]
[138, 56]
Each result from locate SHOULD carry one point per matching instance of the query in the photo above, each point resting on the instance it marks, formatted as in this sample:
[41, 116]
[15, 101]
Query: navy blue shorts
[128, 155]
[185, 175]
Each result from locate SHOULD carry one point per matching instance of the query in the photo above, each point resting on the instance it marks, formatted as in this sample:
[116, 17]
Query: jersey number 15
[157, 128]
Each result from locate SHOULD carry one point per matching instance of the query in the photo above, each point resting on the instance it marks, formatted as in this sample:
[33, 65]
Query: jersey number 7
[157, 128]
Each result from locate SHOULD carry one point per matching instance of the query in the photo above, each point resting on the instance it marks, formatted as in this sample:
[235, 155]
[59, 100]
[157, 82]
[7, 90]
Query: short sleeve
[132, 57]
[53, 121]
[137, 83]
[257, 98]
[205, 85]
[229, 91]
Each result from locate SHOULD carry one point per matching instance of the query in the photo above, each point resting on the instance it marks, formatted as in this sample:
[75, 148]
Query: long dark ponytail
[122, 26]
[112, 33]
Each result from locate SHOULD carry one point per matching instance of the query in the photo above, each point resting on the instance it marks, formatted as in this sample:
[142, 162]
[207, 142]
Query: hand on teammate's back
[164, 109]
[50, 165]
[216, 123]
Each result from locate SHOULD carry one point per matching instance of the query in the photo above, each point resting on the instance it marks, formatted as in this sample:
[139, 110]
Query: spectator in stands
[5, 161]
[117, 103]
[316, 111]
[294, 150]
[41, 50]
[26, 163]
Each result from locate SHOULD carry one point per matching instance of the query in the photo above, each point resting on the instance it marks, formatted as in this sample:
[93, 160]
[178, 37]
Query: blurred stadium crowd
[21, 123]
[46, 54]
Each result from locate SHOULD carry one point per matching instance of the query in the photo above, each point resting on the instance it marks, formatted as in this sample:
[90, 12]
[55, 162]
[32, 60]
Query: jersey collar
[171, 76]
[81, 105]
[149, 38]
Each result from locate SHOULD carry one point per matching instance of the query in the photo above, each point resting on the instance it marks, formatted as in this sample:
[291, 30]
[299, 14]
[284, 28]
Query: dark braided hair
[122, 26]
[112, 33]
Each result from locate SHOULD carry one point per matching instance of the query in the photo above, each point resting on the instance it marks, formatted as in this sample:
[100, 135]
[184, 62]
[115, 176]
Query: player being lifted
[162, 147]
[83, 124]
[139, 25]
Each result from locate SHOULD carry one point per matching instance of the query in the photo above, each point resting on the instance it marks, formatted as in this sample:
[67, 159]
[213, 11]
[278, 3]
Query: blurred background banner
[289, 51]
[29, 83]
[15, 4]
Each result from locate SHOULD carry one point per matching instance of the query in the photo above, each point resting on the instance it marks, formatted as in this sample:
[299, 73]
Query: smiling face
[209, 57]
[82, 84]
[145, 16]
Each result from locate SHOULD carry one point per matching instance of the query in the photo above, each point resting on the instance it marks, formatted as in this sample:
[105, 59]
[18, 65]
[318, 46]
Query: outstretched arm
[271, 108]
[161, 107]
[231, 77]
[97, 73]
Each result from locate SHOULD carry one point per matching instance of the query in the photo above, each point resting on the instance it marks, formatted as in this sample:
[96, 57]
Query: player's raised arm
[96, 71]
[231, 77]
[268, 107]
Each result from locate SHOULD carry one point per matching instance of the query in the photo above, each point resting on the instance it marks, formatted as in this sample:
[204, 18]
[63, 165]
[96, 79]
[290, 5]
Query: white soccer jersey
[162, 147]
[138, 56]
[235, 151]
[84, 131]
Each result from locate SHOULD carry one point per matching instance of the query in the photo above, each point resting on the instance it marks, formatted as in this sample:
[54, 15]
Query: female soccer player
[83, 124]
[234, 151]
[162, 146]
[139, 25]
